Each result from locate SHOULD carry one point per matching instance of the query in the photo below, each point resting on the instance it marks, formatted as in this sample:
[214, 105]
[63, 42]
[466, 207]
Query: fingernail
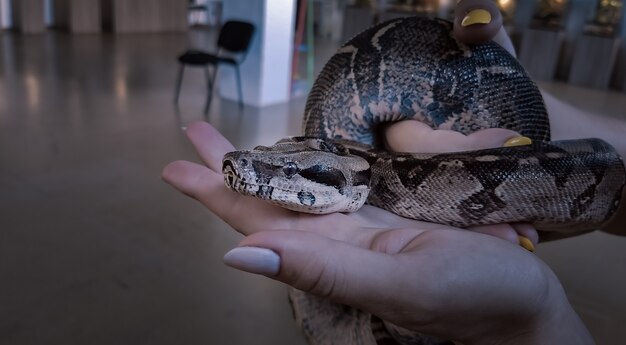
[254, 260]
[478, 16]
[518, 141]
[526, 243]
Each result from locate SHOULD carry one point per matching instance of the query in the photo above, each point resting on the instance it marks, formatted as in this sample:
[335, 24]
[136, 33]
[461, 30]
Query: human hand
[454, 284]
[385, 264]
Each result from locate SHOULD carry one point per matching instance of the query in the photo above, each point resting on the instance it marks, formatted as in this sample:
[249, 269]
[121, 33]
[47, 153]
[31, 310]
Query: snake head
[302, 174]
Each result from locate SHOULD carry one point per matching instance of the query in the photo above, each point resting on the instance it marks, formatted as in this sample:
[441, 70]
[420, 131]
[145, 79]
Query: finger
[247, 215]
[528, 231]
[319, 265]
[187, 177]
[209, 143]
[477, 21]
[415, 136]
[522, 234]
[503, 231]
[202, 184]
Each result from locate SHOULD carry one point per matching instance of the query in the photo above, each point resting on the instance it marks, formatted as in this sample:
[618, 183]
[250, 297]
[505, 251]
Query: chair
[235, 38]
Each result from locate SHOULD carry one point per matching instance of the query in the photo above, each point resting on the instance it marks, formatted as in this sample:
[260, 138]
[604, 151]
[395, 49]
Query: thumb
[328, 268]
[415, 136]
[477, 21]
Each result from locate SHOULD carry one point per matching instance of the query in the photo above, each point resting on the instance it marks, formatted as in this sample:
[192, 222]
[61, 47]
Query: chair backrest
[235, 36]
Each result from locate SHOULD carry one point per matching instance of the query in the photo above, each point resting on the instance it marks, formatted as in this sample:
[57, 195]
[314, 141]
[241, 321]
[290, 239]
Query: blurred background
[94, 97]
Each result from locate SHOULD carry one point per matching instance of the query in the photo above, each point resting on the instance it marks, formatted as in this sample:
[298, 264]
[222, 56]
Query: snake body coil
[413, 68]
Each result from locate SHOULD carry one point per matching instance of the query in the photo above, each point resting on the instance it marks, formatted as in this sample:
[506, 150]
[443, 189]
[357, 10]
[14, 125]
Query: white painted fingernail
[254, 260]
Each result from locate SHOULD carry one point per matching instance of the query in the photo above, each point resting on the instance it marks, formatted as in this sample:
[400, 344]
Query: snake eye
[290, 169]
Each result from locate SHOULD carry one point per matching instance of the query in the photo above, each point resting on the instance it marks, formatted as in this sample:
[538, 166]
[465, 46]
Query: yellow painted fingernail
[478, 16]
[526, 243]
[518, 141]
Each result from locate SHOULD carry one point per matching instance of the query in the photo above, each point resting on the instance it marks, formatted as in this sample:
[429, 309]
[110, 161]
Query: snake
[414, 68]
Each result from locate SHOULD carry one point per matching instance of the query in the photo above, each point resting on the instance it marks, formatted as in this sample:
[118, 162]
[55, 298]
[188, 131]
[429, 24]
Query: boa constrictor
[414, 68]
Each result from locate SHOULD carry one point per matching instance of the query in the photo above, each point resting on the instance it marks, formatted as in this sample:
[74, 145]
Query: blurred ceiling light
[507, 7]
[506, 4]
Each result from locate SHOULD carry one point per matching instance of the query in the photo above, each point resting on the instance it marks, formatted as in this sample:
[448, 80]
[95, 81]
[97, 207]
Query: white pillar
[5, 14]
[266, 72]
[48, 13]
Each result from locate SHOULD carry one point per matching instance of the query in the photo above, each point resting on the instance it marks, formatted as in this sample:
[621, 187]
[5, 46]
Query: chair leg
[179, 81]
[210, 78]
[239, 87]
[209, 85]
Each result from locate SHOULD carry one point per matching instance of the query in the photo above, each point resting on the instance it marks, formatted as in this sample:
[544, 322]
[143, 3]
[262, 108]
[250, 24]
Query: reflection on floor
[95, 249]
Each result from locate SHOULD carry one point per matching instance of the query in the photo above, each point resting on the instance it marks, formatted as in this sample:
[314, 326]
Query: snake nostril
[227, 165]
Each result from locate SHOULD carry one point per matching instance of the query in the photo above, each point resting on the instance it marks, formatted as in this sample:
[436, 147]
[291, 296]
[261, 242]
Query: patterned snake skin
[413, 68]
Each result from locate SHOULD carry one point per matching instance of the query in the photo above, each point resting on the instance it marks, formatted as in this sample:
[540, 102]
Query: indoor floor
[96, 249]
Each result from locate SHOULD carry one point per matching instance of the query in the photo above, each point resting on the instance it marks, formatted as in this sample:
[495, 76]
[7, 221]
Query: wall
[28, 15]
[61, 13]
[78, 16]
[580, 12]
[148, 15]
[619, 80]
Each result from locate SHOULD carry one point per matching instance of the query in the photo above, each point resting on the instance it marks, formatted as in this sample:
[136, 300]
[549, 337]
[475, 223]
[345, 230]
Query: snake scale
[413, 68]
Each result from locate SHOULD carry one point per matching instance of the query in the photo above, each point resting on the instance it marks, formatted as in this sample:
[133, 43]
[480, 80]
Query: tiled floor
[95, 249]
